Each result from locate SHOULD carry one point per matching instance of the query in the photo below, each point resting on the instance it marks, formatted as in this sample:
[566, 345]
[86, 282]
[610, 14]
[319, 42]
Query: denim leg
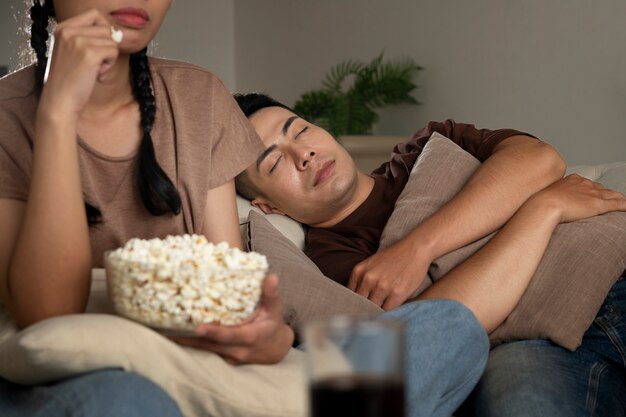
[446, 353]
[539, 378]
[97, 394]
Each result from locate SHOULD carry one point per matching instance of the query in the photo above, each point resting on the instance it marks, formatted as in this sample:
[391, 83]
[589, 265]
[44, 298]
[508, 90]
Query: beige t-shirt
[200, 136]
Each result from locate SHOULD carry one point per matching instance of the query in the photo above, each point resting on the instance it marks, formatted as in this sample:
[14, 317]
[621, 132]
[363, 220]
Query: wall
[198, 31]
[202, 32]
[556, 69]
[10, 20]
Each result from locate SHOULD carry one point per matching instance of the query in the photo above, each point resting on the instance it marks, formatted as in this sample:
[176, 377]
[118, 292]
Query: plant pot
[369, 151]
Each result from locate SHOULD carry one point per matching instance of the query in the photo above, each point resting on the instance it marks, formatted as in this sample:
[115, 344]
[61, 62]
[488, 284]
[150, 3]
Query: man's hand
[492, 281]
[575, 198]
[390, 277]
[265, 338]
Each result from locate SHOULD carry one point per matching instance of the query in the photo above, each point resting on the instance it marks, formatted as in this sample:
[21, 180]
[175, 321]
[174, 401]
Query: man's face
[303, 172]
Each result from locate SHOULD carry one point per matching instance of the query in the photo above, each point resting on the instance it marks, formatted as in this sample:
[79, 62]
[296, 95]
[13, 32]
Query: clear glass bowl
[176, 298]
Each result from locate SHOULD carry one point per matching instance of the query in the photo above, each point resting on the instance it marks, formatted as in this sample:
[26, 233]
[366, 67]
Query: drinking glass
[355, 367]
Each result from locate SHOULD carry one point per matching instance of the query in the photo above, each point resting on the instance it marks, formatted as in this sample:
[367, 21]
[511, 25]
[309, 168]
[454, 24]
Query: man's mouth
[324, 173]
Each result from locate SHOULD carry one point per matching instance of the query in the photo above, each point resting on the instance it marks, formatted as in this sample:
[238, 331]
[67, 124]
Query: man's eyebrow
[288, 123]
[269, 150]
[264, 155]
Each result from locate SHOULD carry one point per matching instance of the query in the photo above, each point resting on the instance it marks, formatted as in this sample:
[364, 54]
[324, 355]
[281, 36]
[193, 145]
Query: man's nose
[303, 157]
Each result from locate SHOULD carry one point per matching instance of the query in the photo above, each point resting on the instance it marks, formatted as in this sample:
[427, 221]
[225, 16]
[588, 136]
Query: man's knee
[446, 324]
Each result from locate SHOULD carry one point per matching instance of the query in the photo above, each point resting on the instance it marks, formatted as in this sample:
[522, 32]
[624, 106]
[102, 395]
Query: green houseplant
[352, 90]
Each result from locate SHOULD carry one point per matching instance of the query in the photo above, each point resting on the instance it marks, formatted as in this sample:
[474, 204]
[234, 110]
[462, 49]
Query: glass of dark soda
[355, 367]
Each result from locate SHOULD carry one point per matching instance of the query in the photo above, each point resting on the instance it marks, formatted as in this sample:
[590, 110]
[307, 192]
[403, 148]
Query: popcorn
[182, 281]
[117, 35]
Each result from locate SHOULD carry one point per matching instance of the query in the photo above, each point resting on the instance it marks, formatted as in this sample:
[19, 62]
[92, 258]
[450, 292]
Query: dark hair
[158, 193]
[253, 102]
[249, 104]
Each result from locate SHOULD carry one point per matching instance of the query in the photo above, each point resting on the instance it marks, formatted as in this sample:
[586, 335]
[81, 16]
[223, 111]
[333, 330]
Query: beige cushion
[581, 263]
[305, 292]
[290, 228]
[201, 382]
[611, 175]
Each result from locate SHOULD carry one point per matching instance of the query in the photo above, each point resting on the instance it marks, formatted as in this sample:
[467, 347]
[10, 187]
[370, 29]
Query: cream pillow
[290, 228]
[581, 263]
[201, 383]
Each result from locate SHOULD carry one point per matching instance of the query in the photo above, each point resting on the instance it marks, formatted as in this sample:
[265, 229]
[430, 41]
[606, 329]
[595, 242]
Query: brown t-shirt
[200, 136]
[336, 250]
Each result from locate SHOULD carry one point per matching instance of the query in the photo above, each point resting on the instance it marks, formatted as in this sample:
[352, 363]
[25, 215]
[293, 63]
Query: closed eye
[301, 132]
[275, 164]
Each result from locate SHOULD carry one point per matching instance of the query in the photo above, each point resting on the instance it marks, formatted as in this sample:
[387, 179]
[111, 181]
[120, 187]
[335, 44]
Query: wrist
[424, 242]
[543, 205]
[53, 112]
[51, 122]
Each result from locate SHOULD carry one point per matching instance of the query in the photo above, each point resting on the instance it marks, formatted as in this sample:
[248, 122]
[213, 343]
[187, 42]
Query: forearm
[221, 222]
[519, 167]
[49, 270]
[491, 282]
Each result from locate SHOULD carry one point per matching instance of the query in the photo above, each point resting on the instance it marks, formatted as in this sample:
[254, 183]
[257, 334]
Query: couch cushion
[581, 263]
[290, 228]
[611, 175]
[200, 382]
[305, 292]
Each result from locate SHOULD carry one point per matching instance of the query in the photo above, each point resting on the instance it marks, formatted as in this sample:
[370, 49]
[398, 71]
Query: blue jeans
[539, 378]
[105, 393]
[446, 353]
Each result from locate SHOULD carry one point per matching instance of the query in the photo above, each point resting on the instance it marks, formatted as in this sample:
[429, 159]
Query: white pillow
[287, 226]
[201, 382]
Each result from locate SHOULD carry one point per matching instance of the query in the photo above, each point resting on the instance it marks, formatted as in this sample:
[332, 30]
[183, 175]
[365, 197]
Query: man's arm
[518, 168]
[491, 282]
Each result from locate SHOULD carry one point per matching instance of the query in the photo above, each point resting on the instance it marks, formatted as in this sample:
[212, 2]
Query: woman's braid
[158, 193]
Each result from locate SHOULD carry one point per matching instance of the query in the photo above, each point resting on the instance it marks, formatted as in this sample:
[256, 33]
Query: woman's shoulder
[172, 71]
[185, 83]
[19, 84]
[18, 101]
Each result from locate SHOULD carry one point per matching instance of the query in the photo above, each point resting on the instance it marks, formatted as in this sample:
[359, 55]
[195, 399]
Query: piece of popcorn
[183, 281]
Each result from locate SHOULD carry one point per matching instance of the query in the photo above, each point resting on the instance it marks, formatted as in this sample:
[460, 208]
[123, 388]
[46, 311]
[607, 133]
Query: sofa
[201, 382]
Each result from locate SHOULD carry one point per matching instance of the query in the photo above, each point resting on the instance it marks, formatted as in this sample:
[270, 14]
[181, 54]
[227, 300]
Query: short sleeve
[17, 124]
[478, 142]
[235, 145]
[199, 127]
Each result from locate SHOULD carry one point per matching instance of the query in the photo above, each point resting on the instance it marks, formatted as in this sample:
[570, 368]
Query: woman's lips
[324, 173]
[131, 17]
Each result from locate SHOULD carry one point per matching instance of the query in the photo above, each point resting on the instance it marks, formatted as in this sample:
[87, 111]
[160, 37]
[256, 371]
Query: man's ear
[266, 207]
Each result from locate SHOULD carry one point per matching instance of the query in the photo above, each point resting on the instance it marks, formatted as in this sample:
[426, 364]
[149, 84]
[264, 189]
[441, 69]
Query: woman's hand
[265, 338]
[84, 52]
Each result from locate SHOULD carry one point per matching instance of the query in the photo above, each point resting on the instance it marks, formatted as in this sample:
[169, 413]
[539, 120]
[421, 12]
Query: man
[348, 209]
[305, 174]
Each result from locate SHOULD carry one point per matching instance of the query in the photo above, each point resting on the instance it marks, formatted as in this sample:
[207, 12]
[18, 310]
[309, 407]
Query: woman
[101, 144]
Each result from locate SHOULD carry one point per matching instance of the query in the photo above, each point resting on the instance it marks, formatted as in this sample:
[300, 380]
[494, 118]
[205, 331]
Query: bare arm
[46, 257]
[48, 272]
[491, 282]
[221, 222]
[519, 167]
